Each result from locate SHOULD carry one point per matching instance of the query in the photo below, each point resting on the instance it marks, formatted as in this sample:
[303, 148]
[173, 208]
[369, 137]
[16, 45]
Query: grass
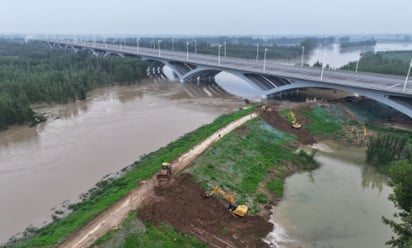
[240, 162]
[322, 123]
[110, 192]
[276, 186]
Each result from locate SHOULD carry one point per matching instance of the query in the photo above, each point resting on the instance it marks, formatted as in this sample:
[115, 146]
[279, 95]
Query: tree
[401, 174]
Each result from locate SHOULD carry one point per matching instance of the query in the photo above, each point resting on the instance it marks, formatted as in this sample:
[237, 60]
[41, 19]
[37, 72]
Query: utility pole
[264, 60]
[218, 55]
[257, 51]
[323, 66]
[158, 45]
[187, 51]
[303, 52]
[407, 76]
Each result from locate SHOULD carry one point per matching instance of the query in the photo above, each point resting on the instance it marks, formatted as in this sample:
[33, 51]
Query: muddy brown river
[44, 166]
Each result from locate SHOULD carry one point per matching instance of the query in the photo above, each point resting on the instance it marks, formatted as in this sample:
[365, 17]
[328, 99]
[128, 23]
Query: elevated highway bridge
[267, 77]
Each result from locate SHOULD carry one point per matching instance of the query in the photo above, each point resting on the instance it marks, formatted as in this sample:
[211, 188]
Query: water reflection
[338, 205]
[372, 179]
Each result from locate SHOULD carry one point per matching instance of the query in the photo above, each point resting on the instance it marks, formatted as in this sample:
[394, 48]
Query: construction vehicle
[293, 121]
[165, 171]
[265, 109]
[238, 210]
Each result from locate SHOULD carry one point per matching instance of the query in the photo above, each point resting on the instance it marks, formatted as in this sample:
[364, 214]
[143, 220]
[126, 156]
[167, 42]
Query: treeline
[391, 153]
[347, 44]
[33, 73]
[395, 63]
[385, 148]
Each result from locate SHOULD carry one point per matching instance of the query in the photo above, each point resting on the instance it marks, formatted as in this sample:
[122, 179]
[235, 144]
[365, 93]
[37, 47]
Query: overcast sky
[206, 17]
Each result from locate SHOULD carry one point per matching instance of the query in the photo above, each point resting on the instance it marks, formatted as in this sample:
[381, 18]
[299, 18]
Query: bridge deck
[373, 81]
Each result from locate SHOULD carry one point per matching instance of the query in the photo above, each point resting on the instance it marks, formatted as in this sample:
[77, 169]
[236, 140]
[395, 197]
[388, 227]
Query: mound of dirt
[281, 123]
[183, 205]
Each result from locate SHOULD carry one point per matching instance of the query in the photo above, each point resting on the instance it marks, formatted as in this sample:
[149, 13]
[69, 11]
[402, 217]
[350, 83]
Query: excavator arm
[239, 210]
[294, 122]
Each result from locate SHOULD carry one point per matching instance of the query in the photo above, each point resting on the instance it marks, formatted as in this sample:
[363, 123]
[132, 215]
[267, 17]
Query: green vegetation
[393, 62]
[390, 151]
[350, 44]
[322, 124]
[108, 192]
[385, 148]
[401, 174]
[33, 73]
[276, 186]
[241, 162]
[133, 233]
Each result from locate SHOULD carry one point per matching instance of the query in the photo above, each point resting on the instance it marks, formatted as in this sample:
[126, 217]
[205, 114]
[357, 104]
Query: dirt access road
[114, 215]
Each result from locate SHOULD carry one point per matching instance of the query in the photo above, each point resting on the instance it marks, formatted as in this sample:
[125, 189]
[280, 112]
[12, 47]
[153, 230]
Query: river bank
[250, 189]
[39, 165]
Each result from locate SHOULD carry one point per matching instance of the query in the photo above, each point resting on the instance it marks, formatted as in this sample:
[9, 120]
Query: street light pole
[303, 53]
[323, 66]
[257, 51]
[158, 45]
[218, 55]
[195, 47]
[187, 51]
[225, 48]
[137, 45]
[264, 60]
[407, 76]
[173, 44]
[357, 63]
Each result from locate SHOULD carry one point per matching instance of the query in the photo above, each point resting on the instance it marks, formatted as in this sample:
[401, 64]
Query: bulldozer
[238, 210]
[294, 122]
[165, 171]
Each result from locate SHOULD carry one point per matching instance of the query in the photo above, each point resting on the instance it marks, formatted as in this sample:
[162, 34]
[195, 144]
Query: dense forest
[34, 73]
[393, 62]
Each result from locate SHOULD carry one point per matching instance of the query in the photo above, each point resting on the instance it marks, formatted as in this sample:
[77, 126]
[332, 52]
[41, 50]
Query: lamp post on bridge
[225, 48]
[158, 45]
[407, 76]
[218, 55]
[137, 45]
[264, 60]
[323, 66]
[257, 51]
[187, 51]
[303, 53]
[173, 44]
[357, 63]
[195, 47]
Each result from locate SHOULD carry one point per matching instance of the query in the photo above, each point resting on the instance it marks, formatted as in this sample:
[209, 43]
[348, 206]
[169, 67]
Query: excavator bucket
[163, 177]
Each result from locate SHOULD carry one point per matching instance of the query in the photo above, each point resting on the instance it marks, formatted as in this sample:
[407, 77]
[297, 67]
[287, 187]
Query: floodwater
[338, 205]
[336, 58]
[44, 166]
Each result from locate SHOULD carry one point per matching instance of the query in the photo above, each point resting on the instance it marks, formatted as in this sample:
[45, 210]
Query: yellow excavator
[165, 171]
[294, 122]
[239, 210]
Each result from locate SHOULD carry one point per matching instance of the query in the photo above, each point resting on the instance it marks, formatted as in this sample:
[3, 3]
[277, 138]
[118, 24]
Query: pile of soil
[281, 123]
[183, 205]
